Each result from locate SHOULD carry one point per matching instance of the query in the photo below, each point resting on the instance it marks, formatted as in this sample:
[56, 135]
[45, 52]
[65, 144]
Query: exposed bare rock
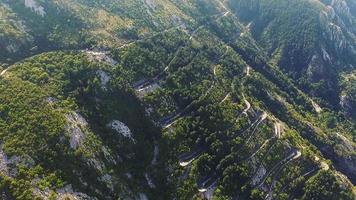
[3, 162]
[68, 193]
[141, 196]
[121, 128]
[108, 156]
[316, 68]
[35, 7]
[12, 48]
[261, 172]
[107, 179]
[52, 100]
[326, 56]
[9, 165]
[43, 194]
[339, 25]
[345, 104]
[149, 181]
[347, 145]
[148, 111]
[128, 175]
[155, 154]
[104, 78]
[75, 128]
[97, 164]
[344, 164]
[150, 3]
[316, 107]
[100, 56]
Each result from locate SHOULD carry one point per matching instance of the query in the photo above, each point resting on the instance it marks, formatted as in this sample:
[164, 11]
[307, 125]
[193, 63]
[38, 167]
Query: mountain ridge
[186, 110]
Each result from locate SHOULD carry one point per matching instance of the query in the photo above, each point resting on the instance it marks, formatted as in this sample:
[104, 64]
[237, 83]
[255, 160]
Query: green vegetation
[193, 100]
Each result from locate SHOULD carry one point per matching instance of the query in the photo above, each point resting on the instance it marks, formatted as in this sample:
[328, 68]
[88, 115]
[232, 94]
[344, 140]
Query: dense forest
[173, 99]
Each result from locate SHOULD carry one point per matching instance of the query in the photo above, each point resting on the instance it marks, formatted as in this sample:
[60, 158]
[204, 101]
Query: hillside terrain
[178, 99]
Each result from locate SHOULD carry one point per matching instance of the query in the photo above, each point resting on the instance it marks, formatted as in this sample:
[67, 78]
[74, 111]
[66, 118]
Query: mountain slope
[175, 100]
[313, 41]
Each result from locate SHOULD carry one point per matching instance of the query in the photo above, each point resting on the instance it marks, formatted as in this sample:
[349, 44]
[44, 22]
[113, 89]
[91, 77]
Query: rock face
[339, 25]
[142, 196]
[13, 43]
[76, 129]
[155, 154]
[8, 165]
[100, 56]
[346, 105]
[3, 162]
[35, 7]
[121, 128]
[345, 164]
[104, 79]
[339, 37]
[64, 193]
[259, 175]
[149, 181]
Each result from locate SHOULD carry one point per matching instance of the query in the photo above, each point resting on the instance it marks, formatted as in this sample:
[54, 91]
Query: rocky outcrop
[3, 162]
[141, 196]
[342, 155]
[104, 79]
[346, 105]
[100, 56]
[339, 26]
[121, 128]
[17, 35]
[261, 172]
[76, 129]
[35, 7]
[64, 193]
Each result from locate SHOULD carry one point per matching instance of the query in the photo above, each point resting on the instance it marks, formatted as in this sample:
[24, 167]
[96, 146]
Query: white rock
[346, 143]
[155, 154]
[259, 175]
[67, 193]
[97, 164]
[121, 128]
[149, 181]
[76, 124]
[3, 162]
[101, 56]
[128, 175]
[108, 155]
[107, 179]
[104, 78]
[12, 48]
[326, 55]
[148, 111]
[52, 100]
[38, 9]
[316, 106]
[150, 3]
[142, 196]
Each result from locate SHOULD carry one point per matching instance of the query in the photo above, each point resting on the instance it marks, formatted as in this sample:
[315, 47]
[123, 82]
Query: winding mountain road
[277, 133]
[294, 155]
[4, 71]
[262, 118]
[276, 174]
[186, 160]
[225, 98]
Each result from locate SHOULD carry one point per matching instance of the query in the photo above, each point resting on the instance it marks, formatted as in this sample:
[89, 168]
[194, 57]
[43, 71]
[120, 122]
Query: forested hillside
[177, 99]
